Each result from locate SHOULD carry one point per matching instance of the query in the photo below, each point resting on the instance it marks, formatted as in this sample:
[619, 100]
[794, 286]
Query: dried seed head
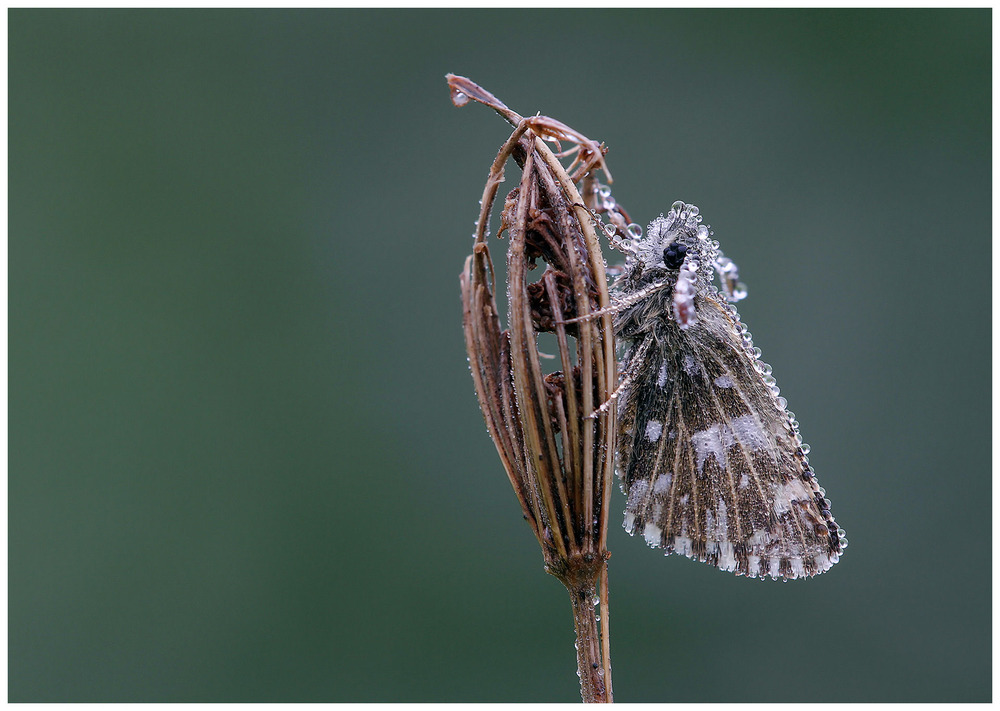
[556, 452]
[558, 459]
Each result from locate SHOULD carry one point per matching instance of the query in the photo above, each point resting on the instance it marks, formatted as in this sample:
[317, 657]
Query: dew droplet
[634, 231]
[806, 449]
[604, 191]
[678, 206]
[740, 291]
[459, 98]
[757, 352]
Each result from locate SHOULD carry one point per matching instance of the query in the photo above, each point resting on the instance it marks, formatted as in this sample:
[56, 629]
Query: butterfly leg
[618, 306]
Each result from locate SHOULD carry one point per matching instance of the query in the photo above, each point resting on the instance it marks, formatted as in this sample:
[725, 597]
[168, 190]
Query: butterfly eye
[673, 256]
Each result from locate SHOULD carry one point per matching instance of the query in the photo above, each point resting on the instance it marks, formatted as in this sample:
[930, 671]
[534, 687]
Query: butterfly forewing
[709, 458]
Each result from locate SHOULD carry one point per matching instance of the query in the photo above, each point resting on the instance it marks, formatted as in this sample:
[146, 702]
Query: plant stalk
[590, 660]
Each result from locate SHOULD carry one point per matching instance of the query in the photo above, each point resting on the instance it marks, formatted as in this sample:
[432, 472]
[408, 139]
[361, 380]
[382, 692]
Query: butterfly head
[676, 241]
[680, 244]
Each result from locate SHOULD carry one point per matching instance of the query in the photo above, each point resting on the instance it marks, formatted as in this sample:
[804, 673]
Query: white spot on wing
[661, 378]
[690, 367]
[682, 545]
[748, 432]
[727, 557]
[635, 496]
[652, 534]
[724, 381]
[712, 442]
[662, 484]
[785, 494]
[653, 430]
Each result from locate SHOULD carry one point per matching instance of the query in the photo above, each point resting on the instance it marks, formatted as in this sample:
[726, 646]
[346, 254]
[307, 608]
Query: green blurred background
[246, 459]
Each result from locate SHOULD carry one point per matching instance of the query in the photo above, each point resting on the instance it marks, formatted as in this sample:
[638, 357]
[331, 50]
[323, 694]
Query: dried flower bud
[556, 451]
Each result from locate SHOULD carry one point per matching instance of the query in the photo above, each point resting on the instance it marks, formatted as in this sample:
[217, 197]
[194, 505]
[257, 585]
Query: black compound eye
[673, 256]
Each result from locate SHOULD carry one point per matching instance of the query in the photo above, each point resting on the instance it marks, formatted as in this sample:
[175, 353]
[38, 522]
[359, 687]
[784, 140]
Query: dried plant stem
[556, 452]
[590, 655]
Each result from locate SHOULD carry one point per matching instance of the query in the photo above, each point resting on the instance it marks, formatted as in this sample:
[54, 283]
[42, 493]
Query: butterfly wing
[709, 458]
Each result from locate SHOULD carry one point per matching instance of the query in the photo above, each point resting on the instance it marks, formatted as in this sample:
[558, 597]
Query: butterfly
[708, 455]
